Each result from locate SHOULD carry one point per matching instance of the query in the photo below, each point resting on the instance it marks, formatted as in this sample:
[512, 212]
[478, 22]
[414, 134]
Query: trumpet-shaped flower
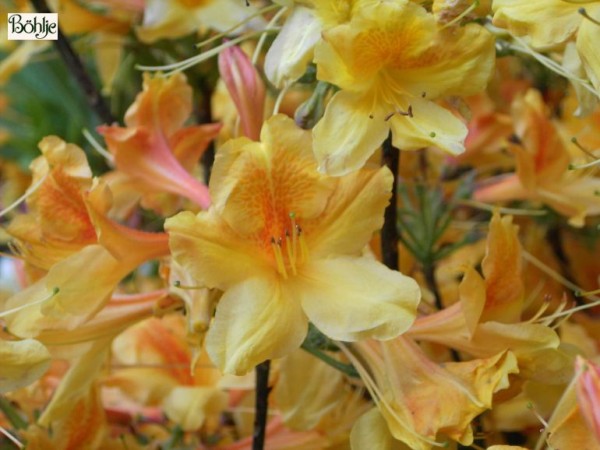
[404, 382]
[155, 150]
[390, 61]
[284, 242]
[543, 167]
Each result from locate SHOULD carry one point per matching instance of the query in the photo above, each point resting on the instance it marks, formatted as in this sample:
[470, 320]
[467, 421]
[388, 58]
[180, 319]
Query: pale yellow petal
[354, 213]
[259, 184]
[211, 254]
[587, 46]
[256, 320]
[292, 49]
[352, 128]
[354, 298]
[76, 383]
[461, 63]
[188, 406]
[371, 432]
[429, 125]
[545, 22]
[23, 362]
[303, 400]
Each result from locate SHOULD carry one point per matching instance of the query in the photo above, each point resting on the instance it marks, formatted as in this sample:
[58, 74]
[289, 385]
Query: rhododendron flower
[391, 61]
[418, 399]
[284, 244]
[154, 150]
[549, 23]
[543, 167]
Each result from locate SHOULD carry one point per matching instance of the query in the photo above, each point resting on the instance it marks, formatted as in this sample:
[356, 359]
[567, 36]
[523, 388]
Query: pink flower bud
[245, 87]
[588, 394]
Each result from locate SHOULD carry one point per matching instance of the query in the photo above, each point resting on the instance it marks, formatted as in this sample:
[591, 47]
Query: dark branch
[77, 69]
[389, 232]
[262, 405]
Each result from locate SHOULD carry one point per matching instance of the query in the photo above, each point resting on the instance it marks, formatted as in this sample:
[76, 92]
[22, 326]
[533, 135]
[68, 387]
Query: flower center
[289, 250]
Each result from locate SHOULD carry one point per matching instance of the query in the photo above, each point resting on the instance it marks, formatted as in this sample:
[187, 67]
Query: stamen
[407, 113]
[575, 141]
[521, 46]
[55, 291]
[303, 246]
[540, 312]
[280, 98]
[553, 274]
[96, 146]
[492, 208]
[586, 293]
[13, 439]
[270, 27]
[295, 233]
[187, 63]
[23, 197]
[584, 166]
[178, 285]
[276, 246]
[462, 15]
[585, 14]
[228, 31]
[290, 252]
[531, 408]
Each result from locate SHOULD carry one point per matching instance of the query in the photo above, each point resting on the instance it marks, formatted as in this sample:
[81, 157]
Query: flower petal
[354, 212]
[354, 298]
[292, 49]
[349, 132]
[546, 22]
[587, 46]
[255, 320]
[211, 253]
[428, 125]
[23, 362]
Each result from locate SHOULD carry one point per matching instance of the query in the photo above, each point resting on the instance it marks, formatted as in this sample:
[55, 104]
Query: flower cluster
[301, 224]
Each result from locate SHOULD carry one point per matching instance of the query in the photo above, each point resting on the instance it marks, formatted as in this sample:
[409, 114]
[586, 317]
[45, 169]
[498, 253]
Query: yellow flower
[284, 244]
[548, 23]
[543, 167]
[420, 400]
[391, 60]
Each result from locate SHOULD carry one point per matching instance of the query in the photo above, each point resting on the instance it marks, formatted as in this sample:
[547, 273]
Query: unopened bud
[245, 87]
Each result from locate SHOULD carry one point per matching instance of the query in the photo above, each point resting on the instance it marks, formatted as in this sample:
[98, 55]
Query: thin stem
[389, 232]
[78, 70]
[262, 405]
[429, 273]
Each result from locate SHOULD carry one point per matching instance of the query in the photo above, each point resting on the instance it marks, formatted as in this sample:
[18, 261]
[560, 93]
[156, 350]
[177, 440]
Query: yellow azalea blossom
[420, 400]
[487, 319]
[548, 23]
[157, 371]
[82, 253]
[391, 61]
[284, 244]
[293, 48]
[543, 167]
[57, 224]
